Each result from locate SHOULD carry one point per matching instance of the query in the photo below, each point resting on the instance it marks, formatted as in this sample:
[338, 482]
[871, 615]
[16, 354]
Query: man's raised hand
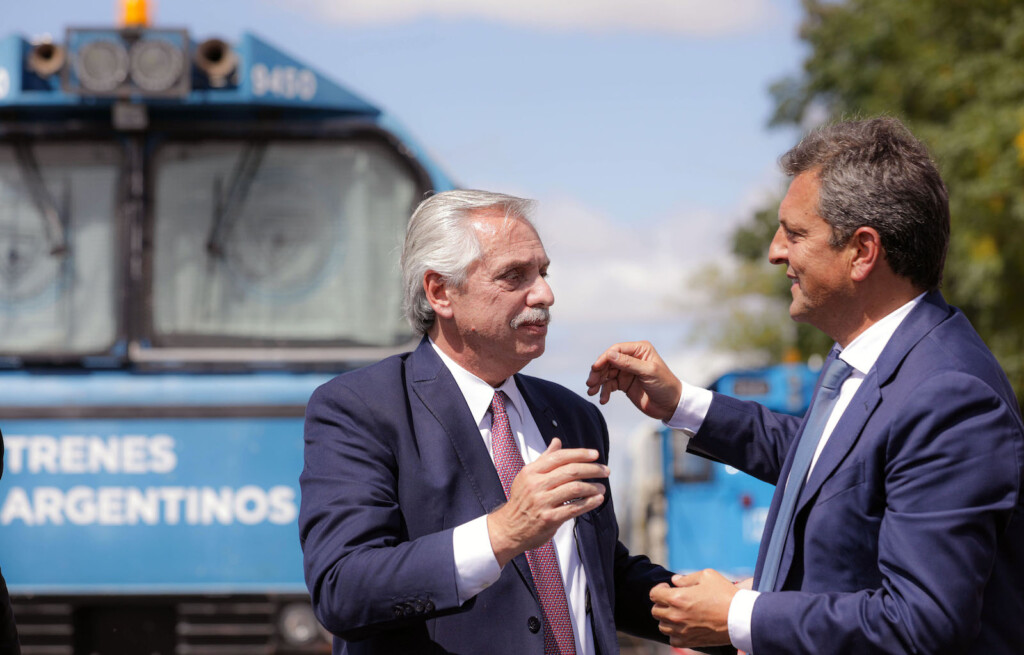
[636, 369]
[545, 494]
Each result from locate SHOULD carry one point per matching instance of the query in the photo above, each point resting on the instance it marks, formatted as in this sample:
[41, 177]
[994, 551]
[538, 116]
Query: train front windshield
[59, 260]
[242, 243]
[278, 241]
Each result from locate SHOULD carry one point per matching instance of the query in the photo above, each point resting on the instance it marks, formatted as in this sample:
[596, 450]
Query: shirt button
[533, 624]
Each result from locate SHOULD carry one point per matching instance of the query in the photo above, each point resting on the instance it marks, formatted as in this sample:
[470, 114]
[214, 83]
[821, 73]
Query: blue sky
[639, 123]
[640, 127]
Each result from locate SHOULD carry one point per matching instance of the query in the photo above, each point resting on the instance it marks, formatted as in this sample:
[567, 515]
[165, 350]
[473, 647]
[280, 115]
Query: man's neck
[872, 305]
[448, 342]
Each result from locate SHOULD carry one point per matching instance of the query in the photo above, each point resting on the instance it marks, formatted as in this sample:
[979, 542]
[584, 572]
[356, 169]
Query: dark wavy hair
[875, 173]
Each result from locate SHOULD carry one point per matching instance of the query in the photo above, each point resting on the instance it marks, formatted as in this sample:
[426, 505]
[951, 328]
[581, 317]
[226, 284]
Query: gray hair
[441, 238]
[875, 173]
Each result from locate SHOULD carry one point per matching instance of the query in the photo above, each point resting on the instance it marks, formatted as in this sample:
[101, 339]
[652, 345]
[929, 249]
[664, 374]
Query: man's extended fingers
[628, 362]
[552, 458]
[579, 505]
[616, 368]
[560, 475]
[572, 481]
[624, 355]
[612, 384]
[603, 367]
[576, 500]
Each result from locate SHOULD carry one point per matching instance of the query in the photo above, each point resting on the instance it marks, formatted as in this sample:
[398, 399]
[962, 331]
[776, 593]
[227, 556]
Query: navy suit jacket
[909, 535]
[393, 462]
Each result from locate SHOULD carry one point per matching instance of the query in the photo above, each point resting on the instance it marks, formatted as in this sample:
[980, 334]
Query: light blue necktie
[828, 394]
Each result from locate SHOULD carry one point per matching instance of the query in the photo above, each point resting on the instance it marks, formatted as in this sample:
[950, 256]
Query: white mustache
[533, 315]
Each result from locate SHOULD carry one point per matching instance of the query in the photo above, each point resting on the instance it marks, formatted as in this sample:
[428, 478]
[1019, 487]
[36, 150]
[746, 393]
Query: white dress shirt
[861, 354]
[475, 564]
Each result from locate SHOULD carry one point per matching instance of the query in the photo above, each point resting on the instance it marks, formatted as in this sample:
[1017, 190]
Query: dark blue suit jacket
[909, 536]
[393, 462]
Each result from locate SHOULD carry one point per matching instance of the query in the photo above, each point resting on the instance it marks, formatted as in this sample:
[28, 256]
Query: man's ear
[867, 254]
[437, 289]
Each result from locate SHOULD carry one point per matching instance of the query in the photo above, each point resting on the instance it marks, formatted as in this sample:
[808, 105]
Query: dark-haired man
[896, 525]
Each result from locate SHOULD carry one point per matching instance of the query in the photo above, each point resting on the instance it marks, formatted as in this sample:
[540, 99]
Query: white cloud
[689, 17]
[603, 271]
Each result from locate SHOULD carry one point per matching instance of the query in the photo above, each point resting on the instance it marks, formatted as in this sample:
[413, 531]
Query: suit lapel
[544, 415]
[435, 387]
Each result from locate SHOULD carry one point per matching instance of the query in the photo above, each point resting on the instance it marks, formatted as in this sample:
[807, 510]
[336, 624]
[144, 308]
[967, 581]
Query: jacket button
[533, 624]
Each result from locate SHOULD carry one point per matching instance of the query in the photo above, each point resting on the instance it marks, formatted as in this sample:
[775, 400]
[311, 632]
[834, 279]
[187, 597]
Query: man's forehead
[494, 221]
[802, 195]
[508, 243]
[497, 228]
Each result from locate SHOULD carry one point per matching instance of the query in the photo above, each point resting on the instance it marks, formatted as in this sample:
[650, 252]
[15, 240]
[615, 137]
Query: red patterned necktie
[558, 639]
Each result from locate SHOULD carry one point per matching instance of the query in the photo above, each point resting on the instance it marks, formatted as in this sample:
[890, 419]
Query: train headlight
[156, 65]
[128, 63]
[101, 65]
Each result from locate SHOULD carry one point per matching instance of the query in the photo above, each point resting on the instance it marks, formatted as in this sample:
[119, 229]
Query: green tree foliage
[953, 70]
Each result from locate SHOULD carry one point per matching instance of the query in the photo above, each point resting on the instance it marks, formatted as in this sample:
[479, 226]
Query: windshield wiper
[226, 205]
[54, 220]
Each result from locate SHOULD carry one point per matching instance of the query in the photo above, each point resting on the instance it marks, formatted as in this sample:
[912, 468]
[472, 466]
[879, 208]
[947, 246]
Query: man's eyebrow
[786, 226]
[523, 263]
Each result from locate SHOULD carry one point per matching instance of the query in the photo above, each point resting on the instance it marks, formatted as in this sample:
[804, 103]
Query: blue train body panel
[152, 505]
[189, 484]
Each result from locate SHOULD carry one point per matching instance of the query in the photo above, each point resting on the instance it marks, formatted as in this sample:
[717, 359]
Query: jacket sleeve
[747, 436]
[363, 572]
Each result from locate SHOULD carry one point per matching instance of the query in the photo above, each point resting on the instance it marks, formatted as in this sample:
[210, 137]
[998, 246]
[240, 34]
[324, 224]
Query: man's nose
[777, 253]
[541, 294]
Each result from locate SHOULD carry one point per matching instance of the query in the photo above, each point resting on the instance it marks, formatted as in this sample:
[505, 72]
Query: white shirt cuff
[740, 611]
[476, 568]
[693, 407]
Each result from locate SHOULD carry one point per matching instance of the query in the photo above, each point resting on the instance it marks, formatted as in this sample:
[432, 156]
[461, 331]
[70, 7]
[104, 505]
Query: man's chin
[798, 312]
[533, 349]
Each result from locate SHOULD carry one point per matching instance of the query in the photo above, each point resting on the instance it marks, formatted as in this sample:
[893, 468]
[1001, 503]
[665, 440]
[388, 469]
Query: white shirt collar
[479, 394]
[863, 352]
